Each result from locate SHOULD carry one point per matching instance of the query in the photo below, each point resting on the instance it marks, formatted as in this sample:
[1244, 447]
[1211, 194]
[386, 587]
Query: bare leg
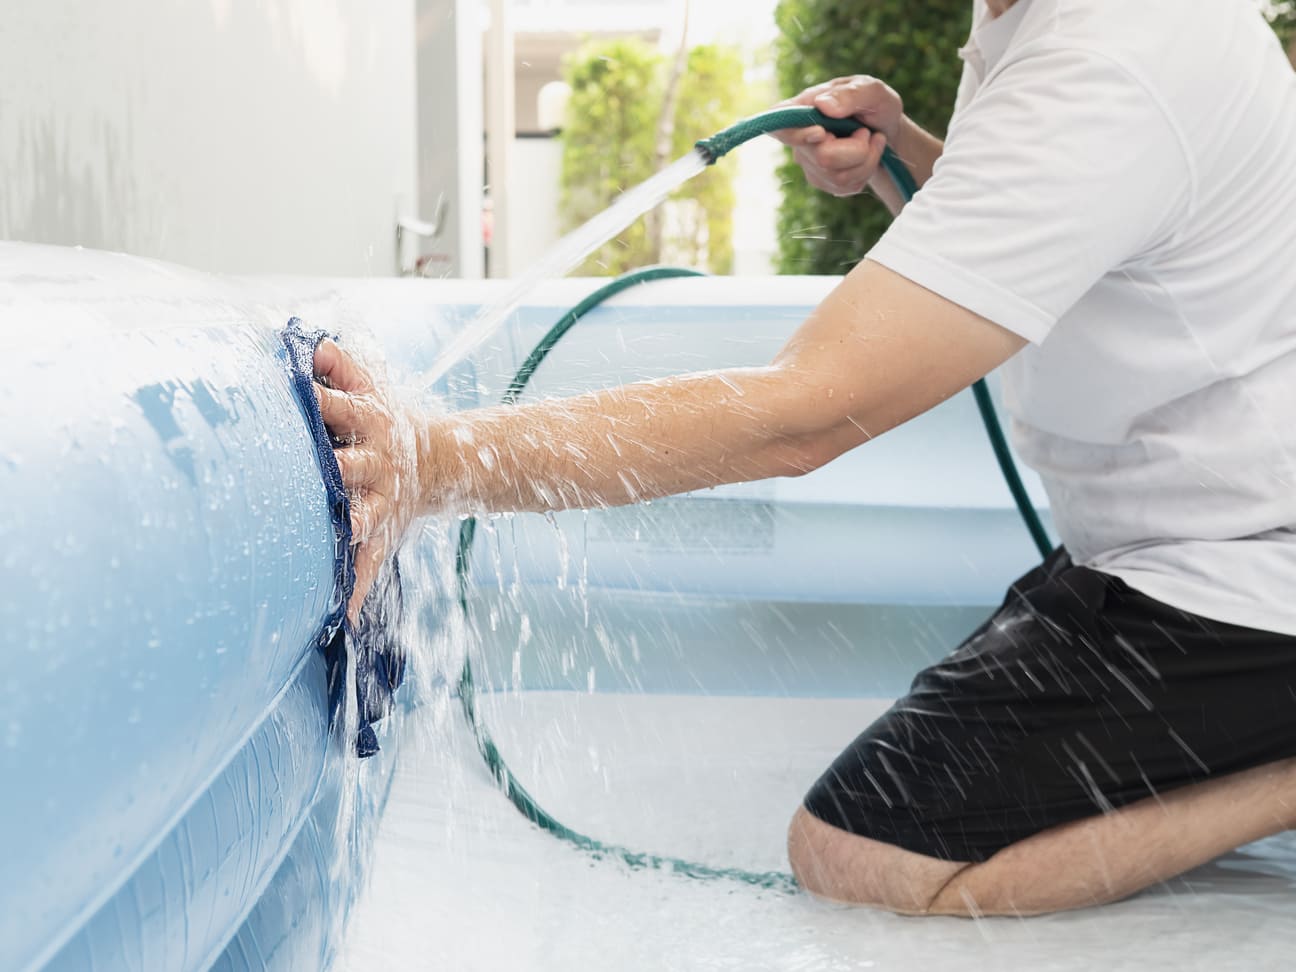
[1089, 862]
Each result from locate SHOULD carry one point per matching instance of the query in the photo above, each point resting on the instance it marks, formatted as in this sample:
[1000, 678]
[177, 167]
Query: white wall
[450, 122]
[755, 219]
[232, 135]
[537, 182]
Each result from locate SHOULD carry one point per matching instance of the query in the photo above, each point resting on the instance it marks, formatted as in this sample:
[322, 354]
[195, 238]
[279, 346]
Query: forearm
[878, 351]
[617, 446]
[918, 149]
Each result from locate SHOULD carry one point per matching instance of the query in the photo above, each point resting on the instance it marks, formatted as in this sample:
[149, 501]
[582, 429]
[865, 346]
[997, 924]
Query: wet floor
[462, 882]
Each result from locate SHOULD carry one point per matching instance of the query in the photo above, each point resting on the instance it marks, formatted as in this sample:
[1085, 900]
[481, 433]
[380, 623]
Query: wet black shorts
[1078, 696]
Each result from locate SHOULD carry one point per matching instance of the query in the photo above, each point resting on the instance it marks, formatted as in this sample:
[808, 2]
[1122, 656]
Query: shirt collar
[991, 37]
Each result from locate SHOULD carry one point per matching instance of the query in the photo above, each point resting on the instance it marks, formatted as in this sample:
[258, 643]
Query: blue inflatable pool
[172, 790]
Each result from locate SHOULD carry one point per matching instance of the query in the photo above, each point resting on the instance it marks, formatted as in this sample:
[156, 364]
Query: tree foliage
[607, 139]
[1283, 17]
[911, 46]
[618, 88]
[709, 96]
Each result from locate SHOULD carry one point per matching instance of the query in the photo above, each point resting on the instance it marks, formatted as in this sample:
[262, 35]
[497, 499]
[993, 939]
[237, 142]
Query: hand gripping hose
[714, 148]
[800, 116]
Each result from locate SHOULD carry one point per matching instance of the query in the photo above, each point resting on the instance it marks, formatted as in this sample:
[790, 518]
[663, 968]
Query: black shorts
[1078, 696]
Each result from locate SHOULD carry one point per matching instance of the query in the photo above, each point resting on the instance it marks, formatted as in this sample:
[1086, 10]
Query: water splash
[565, 255]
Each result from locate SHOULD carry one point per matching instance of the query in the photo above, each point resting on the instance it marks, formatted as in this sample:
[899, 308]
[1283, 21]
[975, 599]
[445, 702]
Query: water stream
[565, 255]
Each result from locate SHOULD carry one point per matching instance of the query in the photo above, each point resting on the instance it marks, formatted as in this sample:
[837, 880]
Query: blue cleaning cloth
[379, 656]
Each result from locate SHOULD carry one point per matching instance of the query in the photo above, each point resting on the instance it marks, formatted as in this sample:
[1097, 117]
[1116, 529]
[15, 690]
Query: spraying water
[566, 254]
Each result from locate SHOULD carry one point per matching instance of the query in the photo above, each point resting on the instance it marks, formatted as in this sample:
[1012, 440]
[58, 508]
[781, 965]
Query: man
[1113, 219]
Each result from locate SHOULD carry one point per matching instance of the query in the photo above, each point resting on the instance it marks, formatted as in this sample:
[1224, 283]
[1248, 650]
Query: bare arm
[878, 351]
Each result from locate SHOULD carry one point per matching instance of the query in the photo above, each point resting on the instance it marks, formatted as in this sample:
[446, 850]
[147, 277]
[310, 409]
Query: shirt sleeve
[1062, 168]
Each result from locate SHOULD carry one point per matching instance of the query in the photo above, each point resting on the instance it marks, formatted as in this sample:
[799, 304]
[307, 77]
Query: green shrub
[607, 138]
[609, 135]
[709, 90]
[1283, 17]
[911, 46]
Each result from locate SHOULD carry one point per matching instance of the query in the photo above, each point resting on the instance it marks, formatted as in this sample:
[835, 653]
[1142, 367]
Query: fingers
[813, 135]
[352, 418]
[361, 468]
[354, 412]
[877, 147]
[865, 98]
[799, 137]
[371, 514]
[369, 559]
[339, 370]
[845, 166]
[808, 96]
[372, 532]
[371, 510]
[837, 154]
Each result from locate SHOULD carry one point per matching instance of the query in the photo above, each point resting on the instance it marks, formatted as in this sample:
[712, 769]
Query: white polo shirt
[1119, 187]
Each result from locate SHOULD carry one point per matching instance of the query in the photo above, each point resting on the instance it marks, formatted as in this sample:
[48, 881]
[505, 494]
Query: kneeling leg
[1087, 862]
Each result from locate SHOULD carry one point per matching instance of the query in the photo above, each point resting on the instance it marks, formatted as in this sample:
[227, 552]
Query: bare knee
[833, 864]
[808, 851]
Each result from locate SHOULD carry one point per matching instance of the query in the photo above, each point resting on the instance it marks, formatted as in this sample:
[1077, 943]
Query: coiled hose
[714, 148]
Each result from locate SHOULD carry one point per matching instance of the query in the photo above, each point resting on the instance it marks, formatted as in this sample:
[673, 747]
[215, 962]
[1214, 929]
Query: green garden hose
[801, 116]
[1008, 467]
[714, 148]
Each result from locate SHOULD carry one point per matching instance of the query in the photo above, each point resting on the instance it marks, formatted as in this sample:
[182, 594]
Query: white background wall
[231, 135]
[450, 147]
[537, 180]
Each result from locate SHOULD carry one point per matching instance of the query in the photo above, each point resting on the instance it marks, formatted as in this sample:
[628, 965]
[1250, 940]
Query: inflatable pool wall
[170, 783]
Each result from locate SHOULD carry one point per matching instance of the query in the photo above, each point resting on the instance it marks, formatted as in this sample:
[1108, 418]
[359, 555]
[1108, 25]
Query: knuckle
[366, 415]
[865, 90]
[343, 406]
